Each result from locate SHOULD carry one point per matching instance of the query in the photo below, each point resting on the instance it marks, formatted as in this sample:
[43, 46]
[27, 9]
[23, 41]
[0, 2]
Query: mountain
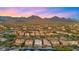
[58, 19]
[35, 19]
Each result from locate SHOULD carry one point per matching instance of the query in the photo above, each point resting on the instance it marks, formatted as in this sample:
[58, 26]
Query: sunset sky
[72, 12]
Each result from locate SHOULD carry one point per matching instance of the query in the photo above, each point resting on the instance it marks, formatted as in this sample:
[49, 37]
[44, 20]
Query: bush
[10, 36]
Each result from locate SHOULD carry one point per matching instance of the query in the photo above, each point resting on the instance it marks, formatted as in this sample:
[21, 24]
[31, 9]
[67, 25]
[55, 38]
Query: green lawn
[63, 48]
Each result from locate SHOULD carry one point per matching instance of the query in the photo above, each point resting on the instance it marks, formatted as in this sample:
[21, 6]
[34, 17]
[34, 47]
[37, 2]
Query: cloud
[21, 11]
[11, 12]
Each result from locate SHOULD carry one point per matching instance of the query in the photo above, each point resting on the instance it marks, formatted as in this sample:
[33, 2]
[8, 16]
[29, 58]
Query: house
[42, 33]
[27, 34]
[37, 33]
[73, 42]
[32, 34]
[46, 43]
[64, 43]
[55, 43]
[29, 42]
[21, 33]
[69, 43]
[38, 43]
[19, 41]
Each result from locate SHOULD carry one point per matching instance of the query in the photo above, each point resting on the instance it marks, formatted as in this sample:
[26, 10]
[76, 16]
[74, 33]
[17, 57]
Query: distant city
[36, 33]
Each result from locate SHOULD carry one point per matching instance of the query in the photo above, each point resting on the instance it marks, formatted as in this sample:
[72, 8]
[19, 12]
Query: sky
[69, 12]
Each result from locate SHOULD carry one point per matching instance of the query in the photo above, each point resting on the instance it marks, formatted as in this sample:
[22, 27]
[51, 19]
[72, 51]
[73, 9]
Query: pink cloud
[14, 11]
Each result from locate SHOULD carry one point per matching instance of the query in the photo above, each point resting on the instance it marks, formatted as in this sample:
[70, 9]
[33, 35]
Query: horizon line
[40, 16]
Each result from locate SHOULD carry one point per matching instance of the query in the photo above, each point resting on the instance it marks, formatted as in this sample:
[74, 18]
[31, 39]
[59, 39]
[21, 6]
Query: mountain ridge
[35, 19]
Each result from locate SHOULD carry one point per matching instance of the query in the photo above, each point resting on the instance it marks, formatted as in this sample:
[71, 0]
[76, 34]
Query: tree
[10, 36]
